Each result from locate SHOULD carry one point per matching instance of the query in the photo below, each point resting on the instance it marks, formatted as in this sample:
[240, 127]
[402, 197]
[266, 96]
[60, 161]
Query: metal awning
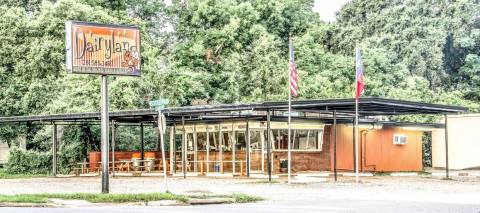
[345, 107]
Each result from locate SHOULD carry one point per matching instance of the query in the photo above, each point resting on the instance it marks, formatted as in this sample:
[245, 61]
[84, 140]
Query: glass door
[257, 150]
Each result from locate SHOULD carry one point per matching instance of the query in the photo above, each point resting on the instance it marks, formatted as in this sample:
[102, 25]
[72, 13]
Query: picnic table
[82, 168]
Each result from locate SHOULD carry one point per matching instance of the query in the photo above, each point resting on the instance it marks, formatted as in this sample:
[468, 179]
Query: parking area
[420, 188]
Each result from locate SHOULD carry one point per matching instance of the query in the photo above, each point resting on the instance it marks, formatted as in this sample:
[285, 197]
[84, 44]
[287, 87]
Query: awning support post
[195, 148]
[208, 150]
[184, 151]
[54, 150]
[142, 143]
[234, 144]
[335, 145]
[220, 145]
[269, 151]
[172, 150]
[113, 147]
[247, 135]
[446, 146]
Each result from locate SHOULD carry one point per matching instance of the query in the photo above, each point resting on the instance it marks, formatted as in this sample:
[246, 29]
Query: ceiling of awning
[344, 107]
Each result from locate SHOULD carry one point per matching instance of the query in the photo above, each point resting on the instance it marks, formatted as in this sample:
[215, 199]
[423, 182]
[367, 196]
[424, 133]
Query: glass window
[227, 141]
[202, 141]
[301, 139]
[189, 141]
[256, 139]
[241, 142]
[213, 141]
[280, 138]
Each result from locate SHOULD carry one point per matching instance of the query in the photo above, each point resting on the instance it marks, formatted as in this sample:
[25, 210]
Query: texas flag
[359, 74]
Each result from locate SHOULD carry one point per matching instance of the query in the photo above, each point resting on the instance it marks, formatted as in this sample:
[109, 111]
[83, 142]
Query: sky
[327, 8]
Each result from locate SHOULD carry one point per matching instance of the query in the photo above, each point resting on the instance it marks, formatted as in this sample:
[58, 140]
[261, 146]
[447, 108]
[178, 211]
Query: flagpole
[289, 120]
[356, 140]
[356, 123]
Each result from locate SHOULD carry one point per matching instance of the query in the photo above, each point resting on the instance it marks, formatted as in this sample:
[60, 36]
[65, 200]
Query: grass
[244, 198]
[5, 175]
[91, 197]
[260, 182]
[237, 197]
[119, 198]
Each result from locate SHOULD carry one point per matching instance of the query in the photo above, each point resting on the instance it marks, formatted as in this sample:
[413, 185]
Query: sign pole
[161, 128]
[104, 132]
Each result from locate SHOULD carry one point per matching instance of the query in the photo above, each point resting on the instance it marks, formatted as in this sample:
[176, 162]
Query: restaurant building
[252, 139]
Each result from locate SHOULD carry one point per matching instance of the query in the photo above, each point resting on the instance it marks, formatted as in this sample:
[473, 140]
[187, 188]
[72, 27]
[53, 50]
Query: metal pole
[113, 148]
[208, 149]
[289, 133]
[172, 149]
[54, 150]
[184, 139]
[356, 140]
[353, 145]
[247, 135]
[104, 130]
[142, 144]
[161, 127]
[269, 159]
[234, 141]
[195, 148]
[446, 146]
[220, 145]
[335, 145]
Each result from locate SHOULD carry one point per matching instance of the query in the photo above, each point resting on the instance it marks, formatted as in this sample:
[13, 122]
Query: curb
[195, 201]
[29, 205]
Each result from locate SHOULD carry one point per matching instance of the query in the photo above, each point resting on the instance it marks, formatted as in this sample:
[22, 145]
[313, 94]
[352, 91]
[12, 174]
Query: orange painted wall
[377, 151]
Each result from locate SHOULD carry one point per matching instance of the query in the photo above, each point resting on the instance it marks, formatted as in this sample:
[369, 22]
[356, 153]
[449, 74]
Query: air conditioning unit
[399, 139]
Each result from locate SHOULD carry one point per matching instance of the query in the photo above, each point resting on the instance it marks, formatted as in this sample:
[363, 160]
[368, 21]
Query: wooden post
[446, 146]
[208, 149]
[54, 150]
[269, 159]
[335, 145]
[241, 167]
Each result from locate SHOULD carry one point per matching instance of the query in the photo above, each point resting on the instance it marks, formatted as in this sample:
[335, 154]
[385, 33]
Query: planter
[149, 155]
[136, 155]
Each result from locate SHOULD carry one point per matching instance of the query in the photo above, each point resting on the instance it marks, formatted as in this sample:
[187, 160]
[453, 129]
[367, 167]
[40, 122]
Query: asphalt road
[277, 207]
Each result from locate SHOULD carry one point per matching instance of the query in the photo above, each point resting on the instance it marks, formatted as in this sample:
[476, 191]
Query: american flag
[293, 71]
[359, 75]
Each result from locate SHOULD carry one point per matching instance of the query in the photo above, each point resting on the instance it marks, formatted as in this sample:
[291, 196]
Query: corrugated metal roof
[344, 107]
